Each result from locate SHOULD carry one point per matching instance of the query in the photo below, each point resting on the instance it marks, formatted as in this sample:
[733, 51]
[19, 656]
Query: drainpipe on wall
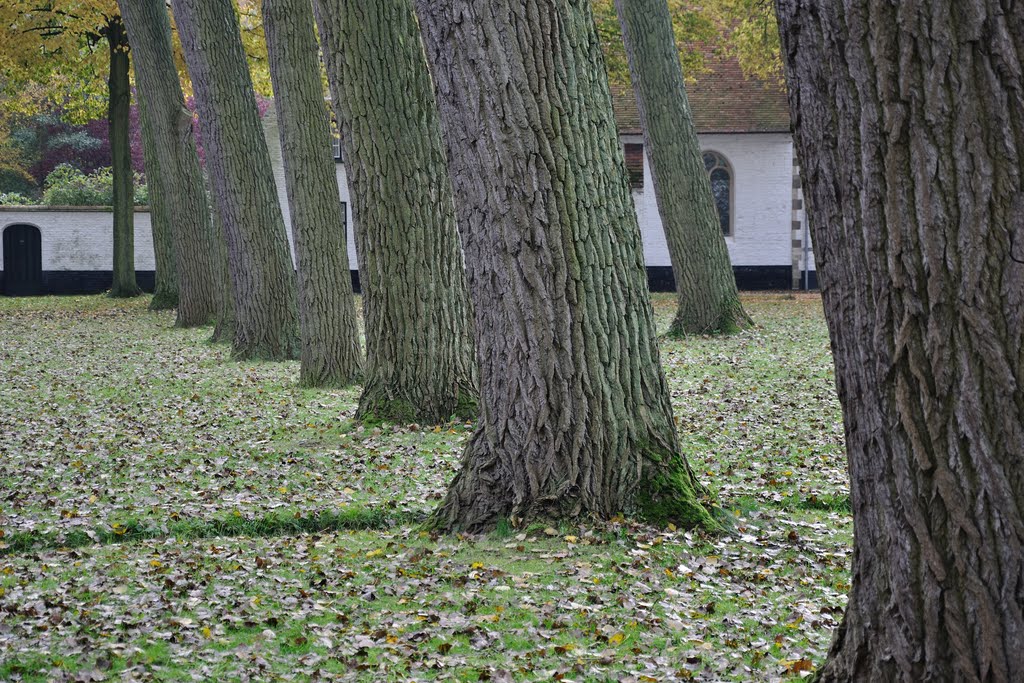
[807, 249]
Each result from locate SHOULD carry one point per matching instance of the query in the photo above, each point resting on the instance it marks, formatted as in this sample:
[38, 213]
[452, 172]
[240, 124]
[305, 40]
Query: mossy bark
[708, 301]
[330, 353]
[576, 418]
[124, 283]
[165, 292]
[262, 273]
[419, 347]
[910, 130]
[170, 123]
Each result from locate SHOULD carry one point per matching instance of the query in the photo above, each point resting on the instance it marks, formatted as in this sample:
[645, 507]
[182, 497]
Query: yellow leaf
[156, 563]
[617, 638]
[375, 553]
[571, 539]
[207, 632]
[283, 489]
[477, 565]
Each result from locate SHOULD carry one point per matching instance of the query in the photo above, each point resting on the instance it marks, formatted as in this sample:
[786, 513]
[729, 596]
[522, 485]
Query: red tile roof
[722, 100]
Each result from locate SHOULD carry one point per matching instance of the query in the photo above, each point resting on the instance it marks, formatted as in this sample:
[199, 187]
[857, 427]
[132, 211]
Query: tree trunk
[174, 147]
[262, 274]
[224, 330]
[910, 129]
[165, 292]
[576, 415]
[418, 328]
[124, 284]
[330, 337]
[705, 284]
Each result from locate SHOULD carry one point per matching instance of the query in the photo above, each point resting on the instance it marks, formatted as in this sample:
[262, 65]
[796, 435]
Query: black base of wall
[812, 280]
[748, 278]
[659, 279]
[83, 281]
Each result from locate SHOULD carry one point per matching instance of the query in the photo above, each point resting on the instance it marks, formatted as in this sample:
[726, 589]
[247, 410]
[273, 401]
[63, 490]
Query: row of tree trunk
[909, 120]
[575, 412]
[909, 124]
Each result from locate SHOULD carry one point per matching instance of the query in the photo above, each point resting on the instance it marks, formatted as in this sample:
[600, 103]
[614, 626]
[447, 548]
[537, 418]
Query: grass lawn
[167, 514]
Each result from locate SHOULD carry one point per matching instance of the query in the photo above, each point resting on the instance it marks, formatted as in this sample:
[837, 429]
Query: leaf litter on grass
[119, 421]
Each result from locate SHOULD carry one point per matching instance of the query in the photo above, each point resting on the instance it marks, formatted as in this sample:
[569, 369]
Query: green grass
[167, 513]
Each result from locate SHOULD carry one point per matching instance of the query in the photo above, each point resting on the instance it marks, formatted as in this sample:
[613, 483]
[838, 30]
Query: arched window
[721, 188]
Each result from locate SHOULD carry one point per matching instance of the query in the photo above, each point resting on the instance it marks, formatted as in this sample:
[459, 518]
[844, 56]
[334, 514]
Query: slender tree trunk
[262, 274]
[181, 179]
[576, 415]
[910, 129]
[165, 293]
[705, 284]
[124, 284]
[416, 309]
[330, 338]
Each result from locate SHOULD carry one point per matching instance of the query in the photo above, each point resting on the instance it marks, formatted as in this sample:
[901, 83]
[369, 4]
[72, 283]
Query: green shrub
[68, 186]
[15, 179]
[141, 190]
[14, 199]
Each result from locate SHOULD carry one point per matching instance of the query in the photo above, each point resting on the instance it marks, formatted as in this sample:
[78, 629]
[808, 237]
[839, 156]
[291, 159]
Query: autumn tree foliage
[744, 29]
[67, 46]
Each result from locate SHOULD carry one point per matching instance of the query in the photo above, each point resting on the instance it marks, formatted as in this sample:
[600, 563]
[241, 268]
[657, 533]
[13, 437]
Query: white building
[743, 128]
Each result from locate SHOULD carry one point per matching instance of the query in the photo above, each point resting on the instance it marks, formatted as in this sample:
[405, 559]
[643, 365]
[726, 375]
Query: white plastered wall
[79, 238]
[762, 165]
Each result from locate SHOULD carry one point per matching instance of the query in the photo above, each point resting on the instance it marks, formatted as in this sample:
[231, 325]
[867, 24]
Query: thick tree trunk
[124, 284]
[165, 293]
[174, 147]
[910, 129]
[262, 274]
[417, 315]
[224, 330]
[705, 285]
[330, 338]
[576, 415]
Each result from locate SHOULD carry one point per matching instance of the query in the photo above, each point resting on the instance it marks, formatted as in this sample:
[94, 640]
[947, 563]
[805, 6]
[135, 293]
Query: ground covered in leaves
[167, 514]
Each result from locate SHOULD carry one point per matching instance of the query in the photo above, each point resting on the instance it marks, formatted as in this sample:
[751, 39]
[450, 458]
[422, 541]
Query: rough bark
[705, 285]
[416, 309]
[119, 86]
[262, 274]
[327, 314]
[165, 292]
[224, 330]
[576, 417]
[156, 79]
[910, 129]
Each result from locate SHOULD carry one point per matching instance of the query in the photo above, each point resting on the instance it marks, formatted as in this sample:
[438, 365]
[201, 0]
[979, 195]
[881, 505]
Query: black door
[23, 261]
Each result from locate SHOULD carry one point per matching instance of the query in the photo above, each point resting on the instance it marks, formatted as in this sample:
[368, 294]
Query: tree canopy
[744, 29]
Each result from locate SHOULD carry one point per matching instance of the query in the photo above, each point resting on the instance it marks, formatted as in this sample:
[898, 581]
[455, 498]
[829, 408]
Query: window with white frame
[721, 188]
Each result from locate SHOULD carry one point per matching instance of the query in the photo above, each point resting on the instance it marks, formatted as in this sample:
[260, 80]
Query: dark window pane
[720, 191]
[710, 161]
[635, 164]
